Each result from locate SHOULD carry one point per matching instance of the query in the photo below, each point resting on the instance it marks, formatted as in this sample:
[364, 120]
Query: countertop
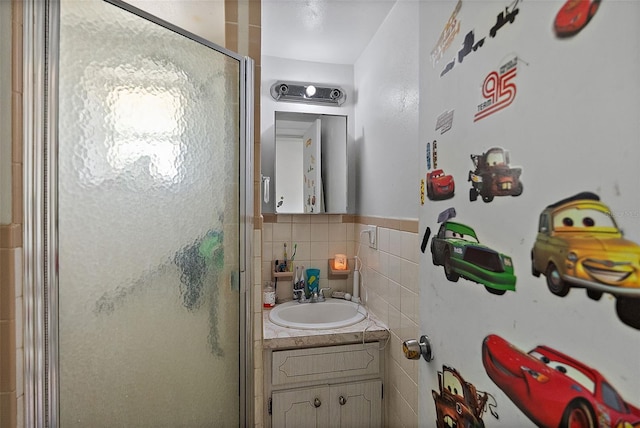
[277, 337]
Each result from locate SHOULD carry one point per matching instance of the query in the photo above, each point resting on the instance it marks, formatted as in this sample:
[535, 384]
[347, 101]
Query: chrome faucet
[316, 296]
[320, 296]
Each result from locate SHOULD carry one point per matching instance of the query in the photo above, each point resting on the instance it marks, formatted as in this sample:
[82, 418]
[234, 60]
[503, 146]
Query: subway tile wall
[390, 290]
[314, 239]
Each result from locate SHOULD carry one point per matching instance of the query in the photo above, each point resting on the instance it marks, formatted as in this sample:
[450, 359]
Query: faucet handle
[321, 292]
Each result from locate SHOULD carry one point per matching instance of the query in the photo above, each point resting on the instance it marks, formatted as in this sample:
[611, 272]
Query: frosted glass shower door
[148, 215]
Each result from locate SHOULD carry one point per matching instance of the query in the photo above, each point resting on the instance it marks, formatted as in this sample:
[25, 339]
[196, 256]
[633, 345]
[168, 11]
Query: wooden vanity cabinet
[333, 386]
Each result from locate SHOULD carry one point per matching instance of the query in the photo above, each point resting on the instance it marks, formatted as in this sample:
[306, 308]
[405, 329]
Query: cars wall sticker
[498, 89]
[434, 155]
[471, 43]
[579, 245]
[573, 16]
[428, 156]
[458, 402]
[494, 176]
[555, 390]
[440, 185]
[507, 16]
[457, 248]
[444, 122]
[451, 29]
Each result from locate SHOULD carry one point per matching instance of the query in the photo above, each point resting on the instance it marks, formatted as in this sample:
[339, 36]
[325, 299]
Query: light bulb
[310, 90]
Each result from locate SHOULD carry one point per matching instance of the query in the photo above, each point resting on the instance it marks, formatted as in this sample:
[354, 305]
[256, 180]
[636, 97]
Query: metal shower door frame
[41, 35]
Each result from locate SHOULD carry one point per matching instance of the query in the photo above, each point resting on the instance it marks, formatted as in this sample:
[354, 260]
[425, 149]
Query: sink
[327, 315]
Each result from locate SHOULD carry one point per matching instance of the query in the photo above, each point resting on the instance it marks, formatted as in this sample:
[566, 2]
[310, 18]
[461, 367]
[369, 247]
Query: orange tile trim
[11, 236]
[389, 223]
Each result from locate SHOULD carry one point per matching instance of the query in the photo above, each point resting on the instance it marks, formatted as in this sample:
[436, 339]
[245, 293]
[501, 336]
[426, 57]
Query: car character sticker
[451, 29]
[445, 121]
[494, 176]
[428, 156]
[504, 17]
[458, 402]
[579, 244]
[425, 239]
[573, 16]
[553, 389]
[469, 45]
[440, 185]
[498, 89]
[422, 191]
[457, 248]
[435, 154]
[472, 43]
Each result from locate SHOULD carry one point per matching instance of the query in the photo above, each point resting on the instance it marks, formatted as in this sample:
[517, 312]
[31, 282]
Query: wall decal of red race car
[573, 16]
[440, 185]
[555, 390]
[493, 176]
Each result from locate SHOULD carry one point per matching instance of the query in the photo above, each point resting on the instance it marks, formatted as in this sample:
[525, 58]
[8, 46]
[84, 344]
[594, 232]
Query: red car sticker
[573, 16]
[553, 389]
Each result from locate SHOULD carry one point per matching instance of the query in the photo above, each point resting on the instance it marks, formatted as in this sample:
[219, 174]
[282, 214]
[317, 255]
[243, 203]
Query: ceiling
[329, 31]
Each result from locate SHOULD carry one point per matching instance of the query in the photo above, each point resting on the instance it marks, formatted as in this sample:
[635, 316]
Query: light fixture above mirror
[309, 93]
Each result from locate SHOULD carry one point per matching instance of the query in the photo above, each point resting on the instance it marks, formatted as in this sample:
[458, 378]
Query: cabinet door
[301, 408]
[356, 405]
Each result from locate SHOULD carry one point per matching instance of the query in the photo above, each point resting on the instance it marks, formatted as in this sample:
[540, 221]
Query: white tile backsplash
[389, 285]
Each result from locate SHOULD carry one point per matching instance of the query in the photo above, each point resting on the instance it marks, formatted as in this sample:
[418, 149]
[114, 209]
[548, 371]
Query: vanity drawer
[331, 362]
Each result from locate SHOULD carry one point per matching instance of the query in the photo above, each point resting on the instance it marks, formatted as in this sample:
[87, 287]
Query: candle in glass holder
[340, 262]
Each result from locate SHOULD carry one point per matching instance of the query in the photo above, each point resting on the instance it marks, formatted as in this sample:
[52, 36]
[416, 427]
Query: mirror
[310, 163]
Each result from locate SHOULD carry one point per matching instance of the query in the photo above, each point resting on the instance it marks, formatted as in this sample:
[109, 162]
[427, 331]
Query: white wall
[386, 76]
[275, 69]
[573, 126]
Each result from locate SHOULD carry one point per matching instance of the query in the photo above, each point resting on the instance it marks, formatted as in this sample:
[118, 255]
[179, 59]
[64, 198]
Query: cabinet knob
[342, 400]
[317, 402]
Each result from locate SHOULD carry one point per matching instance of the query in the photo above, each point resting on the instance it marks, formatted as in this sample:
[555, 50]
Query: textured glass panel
[148, 224]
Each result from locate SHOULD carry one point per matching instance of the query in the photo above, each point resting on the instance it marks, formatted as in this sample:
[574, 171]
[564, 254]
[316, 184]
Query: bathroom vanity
[324, 378]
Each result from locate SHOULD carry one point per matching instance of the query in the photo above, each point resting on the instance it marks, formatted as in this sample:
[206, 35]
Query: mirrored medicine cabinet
[310, 163]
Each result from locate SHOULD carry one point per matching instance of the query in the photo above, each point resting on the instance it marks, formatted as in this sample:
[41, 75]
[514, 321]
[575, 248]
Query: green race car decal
[456, 247]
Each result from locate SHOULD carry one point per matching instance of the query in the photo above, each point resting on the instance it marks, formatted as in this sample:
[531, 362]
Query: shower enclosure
[136, 245]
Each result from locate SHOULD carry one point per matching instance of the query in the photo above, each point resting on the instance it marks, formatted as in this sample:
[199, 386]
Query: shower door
[146, 216]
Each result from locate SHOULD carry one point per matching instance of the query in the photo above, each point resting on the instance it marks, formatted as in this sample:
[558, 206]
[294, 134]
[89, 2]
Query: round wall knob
[342, 400]
[317, 402]
[413, 349]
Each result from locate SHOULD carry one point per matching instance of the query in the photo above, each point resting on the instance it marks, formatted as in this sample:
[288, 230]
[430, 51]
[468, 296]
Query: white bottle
[268, 296]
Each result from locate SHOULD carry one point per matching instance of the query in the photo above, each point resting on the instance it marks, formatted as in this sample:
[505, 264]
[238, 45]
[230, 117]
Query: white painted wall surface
[573, 127]
[386, 76]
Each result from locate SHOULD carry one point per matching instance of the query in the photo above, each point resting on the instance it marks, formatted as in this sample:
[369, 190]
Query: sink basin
[327, 315]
